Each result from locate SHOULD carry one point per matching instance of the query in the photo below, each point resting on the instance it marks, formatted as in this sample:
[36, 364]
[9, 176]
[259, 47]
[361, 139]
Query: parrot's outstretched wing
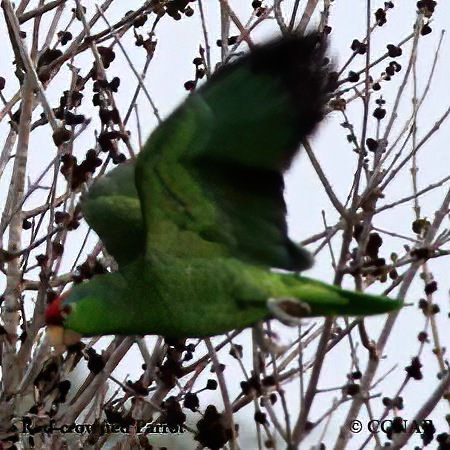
[210, 177]
[199, 218]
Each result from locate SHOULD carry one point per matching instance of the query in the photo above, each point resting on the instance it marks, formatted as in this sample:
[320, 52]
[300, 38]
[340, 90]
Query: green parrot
[197, 222]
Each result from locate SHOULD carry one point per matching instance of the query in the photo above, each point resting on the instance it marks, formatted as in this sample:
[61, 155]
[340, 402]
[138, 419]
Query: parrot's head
[56, 317]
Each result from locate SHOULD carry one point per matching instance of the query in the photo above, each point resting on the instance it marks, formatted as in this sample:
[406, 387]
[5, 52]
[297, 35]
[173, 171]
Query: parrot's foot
[288, 310]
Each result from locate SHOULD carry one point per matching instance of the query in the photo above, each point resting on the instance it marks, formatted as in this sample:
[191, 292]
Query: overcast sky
[178, 44]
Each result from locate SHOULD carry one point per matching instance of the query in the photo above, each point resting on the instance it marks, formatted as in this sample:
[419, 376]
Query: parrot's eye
[66, 311]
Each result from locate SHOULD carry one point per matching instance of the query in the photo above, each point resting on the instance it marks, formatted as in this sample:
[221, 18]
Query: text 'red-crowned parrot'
[198, 221]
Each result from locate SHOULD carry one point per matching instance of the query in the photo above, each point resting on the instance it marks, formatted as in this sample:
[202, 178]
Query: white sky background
[172, 65]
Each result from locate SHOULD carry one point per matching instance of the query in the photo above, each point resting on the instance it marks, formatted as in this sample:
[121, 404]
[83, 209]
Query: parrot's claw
[288, 310]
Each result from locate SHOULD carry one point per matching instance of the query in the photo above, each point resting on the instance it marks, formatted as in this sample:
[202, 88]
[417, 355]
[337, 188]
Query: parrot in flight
[197, 222]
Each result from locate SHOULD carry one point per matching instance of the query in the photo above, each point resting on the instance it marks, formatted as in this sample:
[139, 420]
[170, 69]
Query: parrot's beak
[58, 336]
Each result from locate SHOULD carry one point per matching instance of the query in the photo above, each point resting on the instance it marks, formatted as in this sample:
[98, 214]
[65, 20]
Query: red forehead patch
[54, 313]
